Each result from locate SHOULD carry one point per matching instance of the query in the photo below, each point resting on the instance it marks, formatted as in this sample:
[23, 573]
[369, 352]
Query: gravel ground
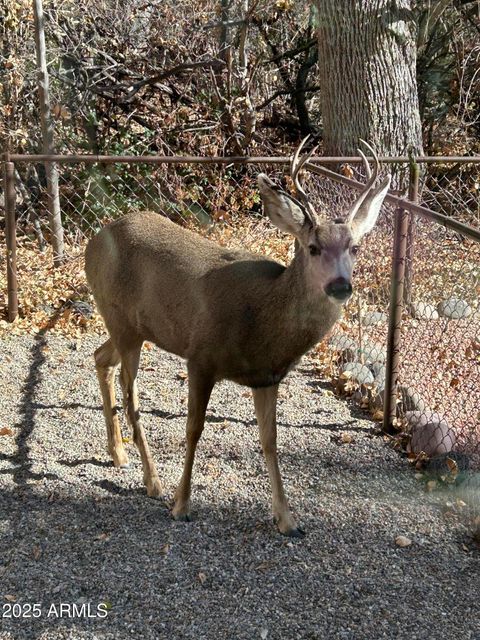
[76, 530]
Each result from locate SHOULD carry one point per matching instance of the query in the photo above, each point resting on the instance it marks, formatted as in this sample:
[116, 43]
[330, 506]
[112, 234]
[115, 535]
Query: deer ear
[282, 210]
[362, 218]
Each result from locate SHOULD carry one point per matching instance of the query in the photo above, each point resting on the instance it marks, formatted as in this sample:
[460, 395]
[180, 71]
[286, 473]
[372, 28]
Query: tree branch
[285, 92]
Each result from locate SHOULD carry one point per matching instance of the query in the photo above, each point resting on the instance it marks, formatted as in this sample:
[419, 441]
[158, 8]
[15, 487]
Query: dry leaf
[452, 466]
[346, 438]
[165, 550]
[431, 485]
[402, 541]
[10, 598]
[37, 552]
[182, 376]
[6, 431]
[202, 577]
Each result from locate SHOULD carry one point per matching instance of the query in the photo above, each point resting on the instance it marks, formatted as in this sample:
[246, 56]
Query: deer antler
[371, 177]
[296, 165]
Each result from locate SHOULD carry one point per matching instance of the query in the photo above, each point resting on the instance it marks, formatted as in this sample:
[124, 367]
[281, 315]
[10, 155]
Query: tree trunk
[367, 67]
[55, 218]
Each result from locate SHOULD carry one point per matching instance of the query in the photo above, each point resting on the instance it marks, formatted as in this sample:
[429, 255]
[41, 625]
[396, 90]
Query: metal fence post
[413, 189]
[395, 316]
[11, 238]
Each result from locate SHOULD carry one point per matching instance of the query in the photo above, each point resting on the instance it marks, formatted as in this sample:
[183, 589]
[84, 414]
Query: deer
[232, 315]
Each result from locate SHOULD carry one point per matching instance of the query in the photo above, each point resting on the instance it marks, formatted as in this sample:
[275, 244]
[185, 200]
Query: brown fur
[231, 314]
[239, 316]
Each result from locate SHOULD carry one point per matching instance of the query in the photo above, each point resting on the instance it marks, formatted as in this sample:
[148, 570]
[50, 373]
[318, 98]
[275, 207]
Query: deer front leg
[199, 389]
[265, 400]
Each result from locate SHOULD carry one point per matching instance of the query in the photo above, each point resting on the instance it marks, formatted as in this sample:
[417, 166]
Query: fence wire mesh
[439, 377]
[439, 366]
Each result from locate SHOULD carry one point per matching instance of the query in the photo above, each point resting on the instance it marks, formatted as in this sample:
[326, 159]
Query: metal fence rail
[408, 344]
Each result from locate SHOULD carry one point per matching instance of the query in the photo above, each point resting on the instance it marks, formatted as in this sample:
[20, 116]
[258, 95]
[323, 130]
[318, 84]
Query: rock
[373, 317]
[430, 433]
[410, 400]
[345, 345]
[47, 308]
[454, 308]
[379, 372]
[201, 215]
[402, 541]
[373, 353]
[423, 311]
[82, 308]
[359, 371]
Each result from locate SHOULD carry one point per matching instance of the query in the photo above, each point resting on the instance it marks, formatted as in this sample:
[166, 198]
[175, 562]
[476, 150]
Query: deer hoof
[154, 488]
[180, 511]
[295, 533]
[182, 517]
[120, 460]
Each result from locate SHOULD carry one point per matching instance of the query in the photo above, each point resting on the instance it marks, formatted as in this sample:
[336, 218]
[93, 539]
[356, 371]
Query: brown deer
[231, 314]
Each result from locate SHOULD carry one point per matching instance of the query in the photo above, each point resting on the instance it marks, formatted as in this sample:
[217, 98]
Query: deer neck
[312, 311]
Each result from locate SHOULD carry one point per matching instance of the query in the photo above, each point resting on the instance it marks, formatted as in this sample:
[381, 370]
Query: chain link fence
[436, 333]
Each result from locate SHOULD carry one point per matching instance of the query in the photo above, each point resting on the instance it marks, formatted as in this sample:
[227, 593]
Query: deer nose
[340, 289]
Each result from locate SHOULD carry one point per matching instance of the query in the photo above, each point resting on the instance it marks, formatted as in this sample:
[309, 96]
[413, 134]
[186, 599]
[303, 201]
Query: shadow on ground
[76, 531]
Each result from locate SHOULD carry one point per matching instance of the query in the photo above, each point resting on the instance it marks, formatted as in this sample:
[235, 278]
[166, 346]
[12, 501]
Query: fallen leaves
[6, 431]
[45, 294]
[343, 438]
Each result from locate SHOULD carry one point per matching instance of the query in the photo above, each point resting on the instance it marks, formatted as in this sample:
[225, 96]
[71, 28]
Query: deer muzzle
[340, 289]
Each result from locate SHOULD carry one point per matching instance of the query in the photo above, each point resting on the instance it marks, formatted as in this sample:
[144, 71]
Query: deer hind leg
[265, 400]
[199, 388]
[107, 359]
[128, 378]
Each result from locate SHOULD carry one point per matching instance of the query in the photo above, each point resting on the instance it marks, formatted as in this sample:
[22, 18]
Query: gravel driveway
[76, 530]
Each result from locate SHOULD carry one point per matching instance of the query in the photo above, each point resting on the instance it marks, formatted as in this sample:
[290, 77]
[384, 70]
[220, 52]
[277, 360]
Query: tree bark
[55, 218]
[367, 68]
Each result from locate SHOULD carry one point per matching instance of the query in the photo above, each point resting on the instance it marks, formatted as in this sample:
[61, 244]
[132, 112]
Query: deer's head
[326, 248]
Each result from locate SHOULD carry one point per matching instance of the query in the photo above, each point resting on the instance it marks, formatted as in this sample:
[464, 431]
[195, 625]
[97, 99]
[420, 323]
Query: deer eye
[314, 250]
[354, 250]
